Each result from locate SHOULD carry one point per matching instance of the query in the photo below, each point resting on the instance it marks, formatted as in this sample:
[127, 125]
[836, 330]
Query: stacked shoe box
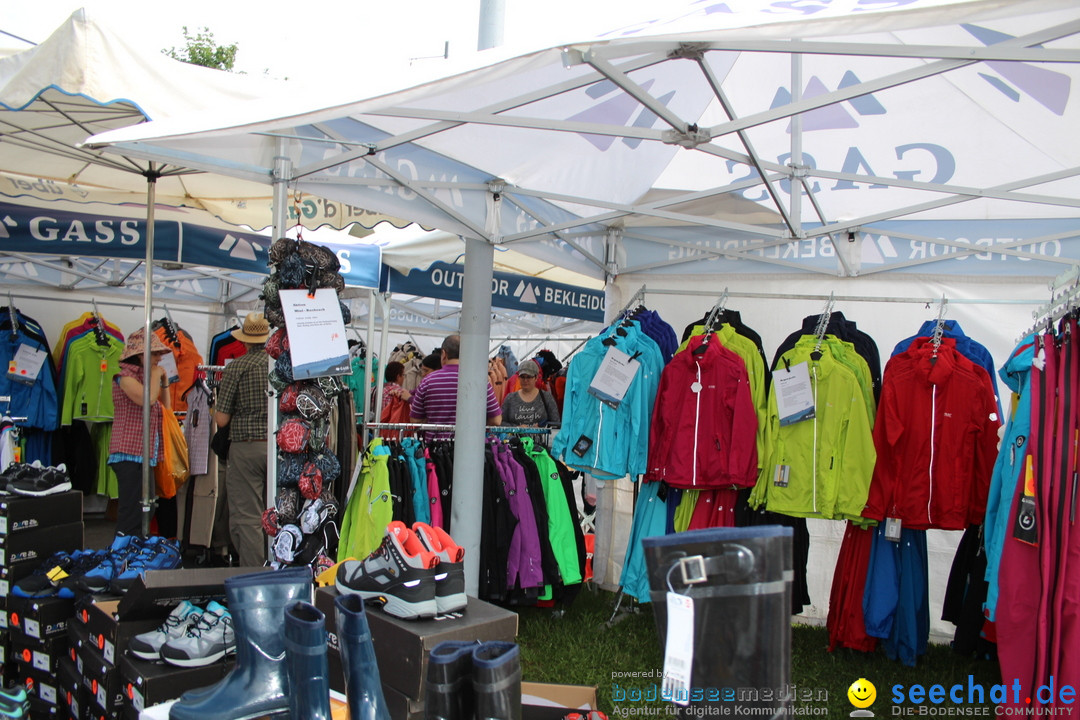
[402, 646]
[115, 685]
[32, 529]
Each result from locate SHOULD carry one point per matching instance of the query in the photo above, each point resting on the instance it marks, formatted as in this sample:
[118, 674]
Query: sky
[330, 40]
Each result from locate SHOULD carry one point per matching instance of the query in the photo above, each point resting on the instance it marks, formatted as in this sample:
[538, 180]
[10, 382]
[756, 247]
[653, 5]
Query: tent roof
[86, 79]
[930, 136]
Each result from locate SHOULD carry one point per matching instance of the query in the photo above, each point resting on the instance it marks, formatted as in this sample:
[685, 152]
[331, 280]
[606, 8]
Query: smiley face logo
[862, 693]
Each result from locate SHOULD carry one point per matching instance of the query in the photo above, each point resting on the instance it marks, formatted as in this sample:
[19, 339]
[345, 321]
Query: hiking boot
[147, 646]
[400, 574]
[98, 578]
[39, 584]
[157, 553]
[206, 640]
[450, 582]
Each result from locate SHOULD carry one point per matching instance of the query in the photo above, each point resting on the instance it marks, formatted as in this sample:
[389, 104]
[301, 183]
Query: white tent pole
[796, 147]
[148, 308]
[280, 217]
[466, 517]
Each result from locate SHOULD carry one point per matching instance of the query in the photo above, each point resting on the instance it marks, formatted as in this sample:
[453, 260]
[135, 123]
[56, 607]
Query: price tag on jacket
[26, 365]
[613, 377]
[168, 364]
[794, 394]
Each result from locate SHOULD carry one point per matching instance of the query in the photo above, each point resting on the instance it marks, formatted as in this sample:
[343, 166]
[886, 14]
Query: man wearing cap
[241, 405]
[126, 441]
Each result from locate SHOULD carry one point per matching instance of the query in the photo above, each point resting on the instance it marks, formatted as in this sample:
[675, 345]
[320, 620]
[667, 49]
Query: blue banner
[513, 292]
[51, 231]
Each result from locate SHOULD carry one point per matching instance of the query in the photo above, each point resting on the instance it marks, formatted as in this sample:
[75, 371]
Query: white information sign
[316, 333]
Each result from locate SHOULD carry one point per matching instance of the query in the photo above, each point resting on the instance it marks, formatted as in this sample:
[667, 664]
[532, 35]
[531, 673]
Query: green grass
[580, 648]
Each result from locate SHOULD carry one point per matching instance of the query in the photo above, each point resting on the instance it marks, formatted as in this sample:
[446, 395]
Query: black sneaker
[40, 583]
[400, 574]
[49, 481]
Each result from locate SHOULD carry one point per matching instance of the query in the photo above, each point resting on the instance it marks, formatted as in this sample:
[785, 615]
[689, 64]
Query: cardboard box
[157, 592]
[41, 710]
[43, 655]
[109, 635]
[77, 638]
[39, 618]
[37, 545]
[547, 701]
[19, 513]
[72, 693]
[145, 683]
[402, 646]
[400, 706]
[102, 681]
[39, 684]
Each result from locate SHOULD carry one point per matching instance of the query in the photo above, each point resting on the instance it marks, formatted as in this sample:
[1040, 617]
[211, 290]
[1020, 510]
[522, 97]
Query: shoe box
[401, 706]
[20, 513]
[145, 683]
[548, 701]
[43, 656]
[39, 618]
[106, 632]
[402, 646]
[23, 552]
[71, 691]
[101, 680]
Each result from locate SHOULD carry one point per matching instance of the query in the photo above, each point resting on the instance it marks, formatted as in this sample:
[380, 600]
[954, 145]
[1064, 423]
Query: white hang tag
[26, 364]
[613, 377]
[794, 394]
[892, 529]
[679, 648]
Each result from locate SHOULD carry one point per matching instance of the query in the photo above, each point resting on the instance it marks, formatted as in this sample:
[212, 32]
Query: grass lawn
[579, 648]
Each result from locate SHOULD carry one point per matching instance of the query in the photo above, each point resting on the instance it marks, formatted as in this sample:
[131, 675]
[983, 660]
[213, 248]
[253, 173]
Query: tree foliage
[201, 49]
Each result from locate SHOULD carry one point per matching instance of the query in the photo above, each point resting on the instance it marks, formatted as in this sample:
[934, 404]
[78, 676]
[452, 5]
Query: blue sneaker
[39, 584]
[122, 549]
[67, 579]
[157, 553]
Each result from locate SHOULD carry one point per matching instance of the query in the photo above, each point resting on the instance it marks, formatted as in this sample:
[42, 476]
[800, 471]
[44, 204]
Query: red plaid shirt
[128, 418]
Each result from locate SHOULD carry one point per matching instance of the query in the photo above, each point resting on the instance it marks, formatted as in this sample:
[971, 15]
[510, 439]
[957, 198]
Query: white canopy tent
[790, 145]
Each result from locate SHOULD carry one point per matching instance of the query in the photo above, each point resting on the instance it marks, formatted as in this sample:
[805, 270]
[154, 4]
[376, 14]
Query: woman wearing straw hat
[126, 443]
[241, 405]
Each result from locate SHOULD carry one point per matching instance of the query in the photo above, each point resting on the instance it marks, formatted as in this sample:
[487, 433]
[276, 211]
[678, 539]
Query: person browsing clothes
[126, 442]
[529, 406]
[242, 406]
[435, 398]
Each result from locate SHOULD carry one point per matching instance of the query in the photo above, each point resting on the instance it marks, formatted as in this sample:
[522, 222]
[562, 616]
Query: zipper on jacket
[697, 417]
[933, 418]
[814, 367]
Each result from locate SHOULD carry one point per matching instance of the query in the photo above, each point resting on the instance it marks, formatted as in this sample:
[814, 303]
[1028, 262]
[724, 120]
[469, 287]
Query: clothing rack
[634, 301]
[822, 325]
[939, 326]
[14, 316]
[435, 427]
[1059, 305]
[716, 310]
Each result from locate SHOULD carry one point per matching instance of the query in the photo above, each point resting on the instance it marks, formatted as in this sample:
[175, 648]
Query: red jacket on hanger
[936, 440]
[703, 428]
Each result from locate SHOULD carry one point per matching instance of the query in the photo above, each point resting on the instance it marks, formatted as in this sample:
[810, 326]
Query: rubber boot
[448, 693]
[497, 681]
[306, 663]
[363, 688]
[258, 684]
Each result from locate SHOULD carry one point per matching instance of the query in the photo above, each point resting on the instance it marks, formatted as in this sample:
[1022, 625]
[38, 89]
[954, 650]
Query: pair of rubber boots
[285, 674]
[468, 680]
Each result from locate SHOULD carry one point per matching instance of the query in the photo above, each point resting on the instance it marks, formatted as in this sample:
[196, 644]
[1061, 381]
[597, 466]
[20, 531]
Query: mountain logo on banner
[1049, 88]
[25, 269]
[8, 222]
[239, 248]
[835, 116]
[617, 111]
[526, 293]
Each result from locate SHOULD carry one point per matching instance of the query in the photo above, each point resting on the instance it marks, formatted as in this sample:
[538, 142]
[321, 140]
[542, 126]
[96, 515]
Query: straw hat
[255, 329]
[135, 345]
